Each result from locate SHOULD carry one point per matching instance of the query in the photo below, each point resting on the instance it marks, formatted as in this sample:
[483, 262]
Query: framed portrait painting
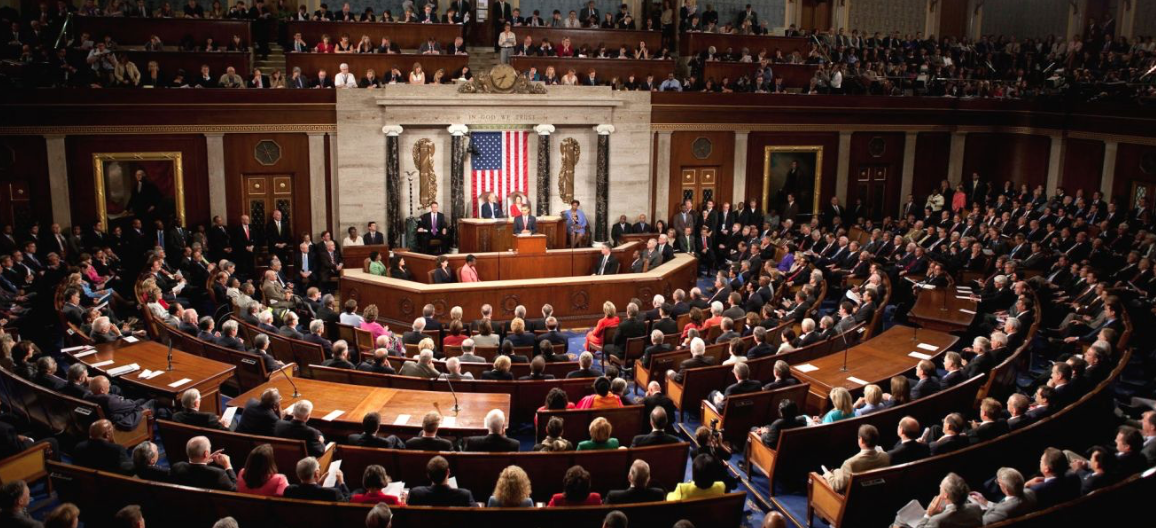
[793, 170]
[139, 185]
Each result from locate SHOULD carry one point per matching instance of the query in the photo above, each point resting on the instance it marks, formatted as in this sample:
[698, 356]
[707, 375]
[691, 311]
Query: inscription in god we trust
[506, 118]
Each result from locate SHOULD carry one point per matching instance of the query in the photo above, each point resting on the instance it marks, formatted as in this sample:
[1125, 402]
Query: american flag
[501, 165]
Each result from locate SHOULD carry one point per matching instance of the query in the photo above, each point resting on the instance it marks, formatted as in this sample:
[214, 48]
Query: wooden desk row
[572, 296]
[515, 266]
[405, 36]
[691, 43]
[381, 64]
[131, 31]
[793, 75]
[606, 69]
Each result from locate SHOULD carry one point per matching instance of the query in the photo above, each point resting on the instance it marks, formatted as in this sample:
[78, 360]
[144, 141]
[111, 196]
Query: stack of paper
[806, 367]
[919, 355]
[333, 415]
[123, 369]
[331, 475]
[229, 414]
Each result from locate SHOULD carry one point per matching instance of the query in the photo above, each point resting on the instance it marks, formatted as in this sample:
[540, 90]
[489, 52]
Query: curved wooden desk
[573, 293]
[478, 234]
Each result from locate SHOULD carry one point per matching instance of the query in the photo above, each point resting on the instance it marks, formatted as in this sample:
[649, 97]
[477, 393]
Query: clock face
[503, 76]
[267, 152]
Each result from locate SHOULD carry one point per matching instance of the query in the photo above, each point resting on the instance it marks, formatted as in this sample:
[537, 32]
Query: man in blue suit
[525, 224]
[491, 209]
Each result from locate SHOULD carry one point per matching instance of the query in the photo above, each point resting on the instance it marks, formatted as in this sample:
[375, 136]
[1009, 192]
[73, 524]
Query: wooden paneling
[24, 192]
[879, 157]
[1083, 165]
[794, 75]
[691, 43]
[593, 38]
[932, 153]
[952, 18]
[606, 69]
[1130, 166]
[756, 146]
[722, 156]
[406, 36]
[136, 31]
[381, 64]
[81, 183]
[998, 157]
[294, 163]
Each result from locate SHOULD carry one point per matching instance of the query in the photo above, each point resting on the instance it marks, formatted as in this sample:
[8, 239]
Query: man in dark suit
[657, 346]
[125, 414]
[438, 493]
[491, 209]
[927, 383]
[372, 236]
[743, 385]
[340, 357]
[1056, 485]
[260, 417]
[629, 328]
[309, 472]
[606, 264]
[432, 227]
[697, 359]
[622, 227]
[953, 438]
[278, 236]
[494, 442]
[760, 346]
[657, 434]
[526, 223]
[244, 242]
[317, 335]
[101, 452]
[585, 362]
[296, 428]
[191, 414]
[991, 425]
[204, 469]
[220, 241]
[228, 337]
[429, 439]
[908, 448]
[638, 491]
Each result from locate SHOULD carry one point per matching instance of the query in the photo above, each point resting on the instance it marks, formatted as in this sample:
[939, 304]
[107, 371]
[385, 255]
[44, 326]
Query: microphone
[454, 393]
[296, 394]
[846, 348]
[170, 355]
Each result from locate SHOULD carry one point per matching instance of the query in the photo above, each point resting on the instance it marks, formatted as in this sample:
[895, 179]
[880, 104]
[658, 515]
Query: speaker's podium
[529, 244]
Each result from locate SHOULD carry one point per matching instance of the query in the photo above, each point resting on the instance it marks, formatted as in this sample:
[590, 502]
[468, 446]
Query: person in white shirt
[837, 80]
[345, 79]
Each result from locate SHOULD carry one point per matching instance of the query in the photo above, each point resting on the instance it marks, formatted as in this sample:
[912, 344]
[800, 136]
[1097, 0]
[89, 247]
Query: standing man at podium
[432, 227]
[525, 224]
[491, 210]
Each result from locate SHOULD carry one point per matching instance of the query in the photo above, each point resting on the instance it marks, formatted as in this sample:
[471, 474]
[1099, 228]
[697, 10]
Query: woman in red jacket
[597, 336]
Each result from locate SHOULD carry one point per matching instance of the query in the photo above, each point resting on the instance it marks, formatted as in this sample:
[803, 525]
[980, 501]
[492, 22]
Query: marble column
[602, 183]
[334, 185]
[1055, 162]
[955, 157]
[457, 173]
[543, 131]
[395, 227]
[1108, 175]
[662, 177]
[910, 143]
[740, 171]
[316, 180]
[215, 152]
[58, 180]
[842, 170]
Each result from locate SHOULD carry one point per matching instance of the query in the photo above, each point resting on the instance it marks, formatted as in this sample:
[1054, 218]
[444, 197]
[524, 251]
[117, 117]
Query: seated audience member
[871, 401]
[260, 417]
[1055, 485]
[422, 368]
[585, 362]
[951, 506]
[297, 428]
[657, 346]
[783, 378]
[261, 348]
[368, 437]
[1017, 501]
[438, 493]
[309, 473]
[789, 417]
[702, 482]
[456, 336]
[429, 439]
[125, 414]
[698, 359]
[900, 392]
[600, 431]
[340, 357]
[596, 337]
[602, 397]
[229, 339]
[378, 364]
[576, 490]
[496, 440]
[538, 365]
[485, 336]
[14, 500]
[317, 335]
[1017, 408]
[867, 459]
[512, 490]
[841, 407]
[454, 371]
[101, 452]
[554, 440]
[144, 461]
[518, 336]
[927, 383]
[991, 423]
[1129, 446]
[373, 482]
[953, 438]
[743, 385]
[191, 413]
[908, 448]
[260, 476]
[657, 434]
[379, 516]
[501, 370]
[205, 469]
[639, 490]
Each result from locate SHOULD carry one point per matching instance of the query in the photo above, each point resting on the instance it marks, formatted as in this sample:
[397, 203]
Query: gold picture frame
[166, 173]
[801, 153]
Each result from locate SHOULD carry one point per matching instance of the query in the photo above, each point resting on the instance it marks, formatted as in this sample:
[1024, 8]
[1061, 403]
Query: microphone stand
[296, 394]
[170, 355]
[846, 348]
[455, 395]
[946, 291]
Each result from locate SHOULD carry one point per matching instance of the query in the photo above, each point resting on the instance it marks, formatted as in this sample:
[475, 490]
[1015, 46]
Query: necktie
[304, 262]
[246, 226]
[602, 268]
[434, 221]
[160, 239]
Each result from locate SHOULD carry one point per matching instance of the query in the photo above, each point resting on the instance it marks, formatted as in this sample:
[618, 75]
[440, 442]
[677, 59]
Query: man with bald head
[124, 413]
[101, 452]
[205, 468]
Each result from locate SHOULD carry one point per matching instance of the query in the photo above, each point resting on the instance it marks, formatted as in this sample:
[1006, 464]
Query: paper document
[919, 355]
[926, 346]
[331, 476]
[449, 421]
[70, 350]
[179, 382]
[452, 482]
[394, 488]
[102, 363]
[856, 380]
[227, 417]
[84, 354]
[927, 286]
[123, 369]
[910, 514]
[130, 339]
[806, 367]
[156, 373]
[966, 311]
[333, 415]
[401, 419]
[964, 297]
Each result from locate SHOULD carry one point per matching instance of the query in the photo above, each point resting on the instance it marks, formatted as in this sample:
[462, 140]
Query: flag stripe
[501, 165]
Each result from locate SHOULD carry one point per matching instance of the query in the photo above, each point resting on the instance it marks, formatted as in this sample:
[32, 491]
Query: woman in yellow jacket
[700, 485]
